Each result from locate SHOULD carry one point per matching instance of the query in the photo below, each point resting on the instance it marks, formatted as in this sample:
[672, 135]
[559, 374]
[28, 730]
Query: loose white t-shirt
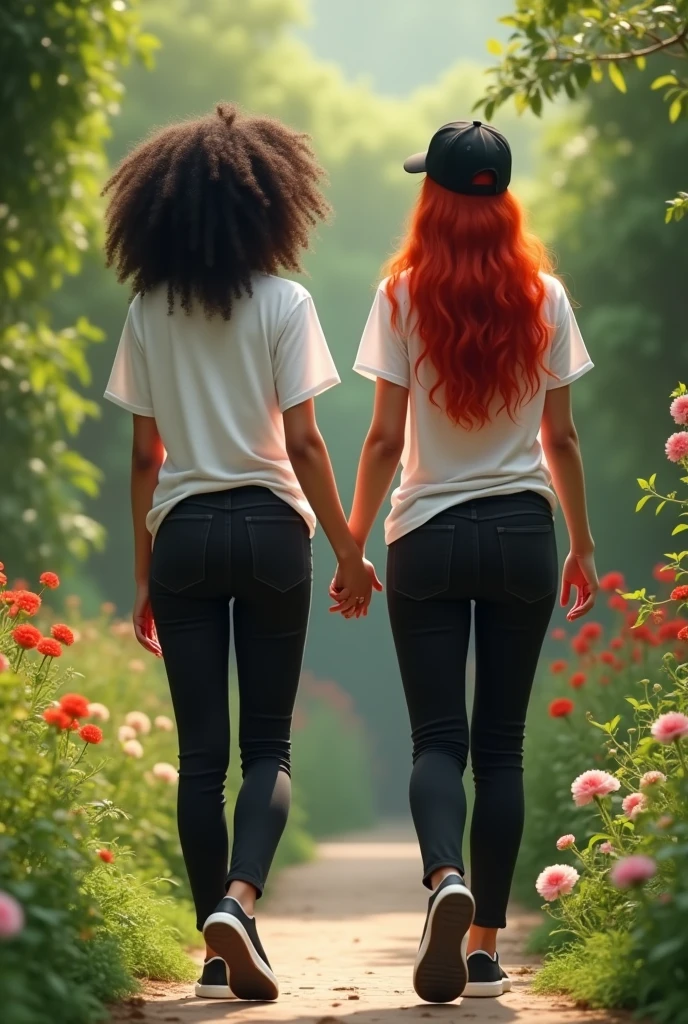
[444, 464]
[217, 389]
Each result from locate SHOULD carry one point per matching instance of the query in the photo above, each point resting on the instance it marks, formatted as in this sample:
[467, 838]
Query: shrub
[623, 907]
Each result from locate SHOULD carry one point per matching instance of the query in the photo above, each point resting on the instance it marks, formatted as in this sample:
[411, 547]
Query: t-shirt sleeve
[569, 357]
[129, 383]
[383, 351]
[302, 364]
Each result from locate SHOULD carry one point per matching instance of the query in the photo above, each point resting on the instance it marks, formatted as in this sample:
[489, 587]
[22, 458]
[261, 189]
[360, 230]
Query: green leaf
[596, 73]
[643, 484]
[652, 480]
[640, 63]
[599, 837]
[679, 529]
[675, 110]
[616, 77]
[643, 501]
[611, 726]
[660, 507]
[633, 702]
[494, 47]
[663, 80]
[12, 282]
[536, 103]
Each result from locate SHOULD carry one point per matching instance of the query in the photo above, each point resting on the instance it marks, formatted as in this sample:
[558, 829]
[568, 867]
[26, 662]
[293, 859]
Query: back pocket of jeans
[529, 556]
[280, 550]
[179, 551]
[421, 561]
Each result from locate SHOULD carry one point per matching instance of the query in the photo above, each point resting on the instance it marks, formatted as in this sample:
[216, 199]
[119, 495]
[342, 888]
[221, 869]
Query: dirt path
[341, 934]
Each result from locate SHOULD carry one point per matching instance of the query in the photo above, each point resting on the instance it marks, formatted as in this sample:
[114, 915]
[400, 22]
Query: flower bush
[613, 771]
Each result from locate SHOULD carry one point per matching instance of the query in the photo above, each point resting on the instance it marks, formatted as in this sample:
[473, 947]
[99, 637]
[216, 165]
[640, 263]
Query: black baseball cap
[459, 152]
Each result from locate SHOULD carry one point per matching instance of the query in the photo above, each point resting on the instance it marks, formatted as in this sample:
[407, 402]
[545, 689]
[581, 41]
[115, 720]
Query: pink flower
[565, 842]
[679, 410]
[676, 447]
[125, 732]
[670, 727]
[591, 784]
[652, 778]
[165, 772]
[164, 723]
[4, 662]
[99, 712]
[139, 721]
[555, 881]
[607, 848]
[632, 871]
[11, 916]
[633, 804]
[133, 748]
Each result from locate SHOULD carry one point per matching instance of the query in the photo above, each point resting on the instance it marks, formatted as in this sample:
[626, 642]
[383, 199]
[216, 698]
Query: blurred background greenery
[370, 82]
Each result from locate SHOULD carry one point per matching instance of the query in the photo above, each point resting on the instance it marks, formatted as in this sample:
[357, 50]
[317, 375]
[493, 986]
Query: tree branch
[680, 38]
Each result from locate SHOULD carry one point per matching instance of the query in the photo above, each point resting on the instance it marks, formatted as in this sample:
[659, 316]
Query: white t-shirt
[444, 464]
[217, 389]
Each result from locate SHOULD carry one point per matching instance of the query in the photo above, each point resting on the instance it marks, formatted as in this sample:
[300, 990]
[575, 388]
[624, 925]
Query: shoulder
[401, 289]
[281, 293]
[556, 298]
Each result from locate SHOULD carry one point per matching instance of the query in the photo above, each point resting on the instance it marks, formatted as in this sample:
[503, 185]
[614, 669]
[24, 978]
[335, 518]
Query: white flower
[99, 712]
[139, 721]
[164, 723]
[125, 732]
[133, 748]
[165, 772]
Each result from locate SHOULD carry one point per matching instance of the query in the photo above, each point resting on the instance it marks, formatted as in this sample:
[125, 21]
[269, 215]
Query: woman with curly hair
[220, 361]
[473, 342]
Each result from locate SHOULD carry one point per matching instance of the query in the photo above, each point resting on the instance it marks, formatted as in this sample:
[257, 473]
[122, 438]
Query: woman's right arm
[562, 451]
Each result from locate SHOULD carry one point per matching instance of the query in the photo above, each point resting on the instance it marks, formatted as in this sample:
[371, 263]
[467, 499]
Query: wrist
[585, 547]
[348, 552]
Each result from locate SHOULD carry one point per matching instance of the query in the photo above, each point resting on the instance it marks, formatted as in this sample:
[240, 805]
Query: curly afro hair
[204, 204]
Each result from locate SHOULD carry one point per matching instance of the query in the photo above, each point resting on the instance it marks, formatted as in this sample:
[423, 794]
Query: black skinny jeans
[499, 552]
[247, 545]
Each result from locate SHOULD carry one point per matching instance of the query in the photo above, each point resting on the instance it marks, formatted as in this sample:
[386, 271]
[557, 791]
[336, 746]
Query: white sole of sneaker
[484, 989]
[506, 984]
[250, 978]
[213, 991]
[439, 975]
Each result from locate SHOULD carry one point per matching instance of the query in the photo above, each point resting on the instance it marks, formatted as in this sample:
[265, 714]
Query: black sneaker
[232, 933]
[441, 971]
[213, 983]
[486, 977]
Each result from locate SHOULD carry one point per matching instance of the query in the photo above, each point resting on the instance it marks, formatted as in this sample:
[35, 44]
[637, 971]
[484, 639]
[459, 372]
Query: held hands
[144, 626]
[579, 572]
[353, 585]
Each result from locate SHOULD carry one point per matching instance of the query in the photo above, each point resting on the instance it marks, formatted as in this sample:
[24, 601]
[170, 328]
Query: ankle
[483, 939]
[245, 894]
[438, 876]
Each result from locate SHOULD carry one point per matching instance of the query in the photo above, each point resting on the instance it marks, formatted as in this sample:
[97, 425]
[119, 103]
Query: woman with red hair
[473, 346]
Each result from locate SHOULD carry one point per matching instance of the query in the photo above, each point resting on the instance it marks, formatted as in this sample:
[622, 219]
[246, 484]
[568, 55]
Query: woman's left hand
[335, 591]
[144, 626]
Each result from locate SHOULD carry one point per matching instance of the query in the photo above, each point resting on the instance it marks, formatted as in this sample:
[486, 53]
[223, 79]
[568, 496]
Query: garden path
[342, 933]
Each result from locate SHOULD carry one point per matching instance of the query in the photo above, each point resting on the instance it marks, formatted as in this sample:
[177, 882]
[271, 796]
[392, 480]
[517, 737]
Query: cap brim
[415, 164]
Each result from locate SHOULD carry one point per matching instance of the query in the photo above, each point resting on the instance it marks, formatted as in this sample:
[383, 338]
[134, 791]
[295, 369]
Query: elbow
[145, 462]
[385, 448]
[304, 447]
[562, 441]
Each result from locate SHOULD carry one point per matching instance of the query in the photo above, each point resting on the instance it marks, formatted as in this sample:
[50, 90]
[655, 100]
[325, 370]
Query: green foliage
[627, 944]
[561, 46]
[601, 972]
[59, 91]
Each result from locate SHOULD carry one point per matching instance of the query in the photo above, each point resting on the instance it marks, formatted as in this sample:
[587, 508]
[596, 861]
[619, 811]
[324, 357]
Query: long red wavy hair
[477, 301]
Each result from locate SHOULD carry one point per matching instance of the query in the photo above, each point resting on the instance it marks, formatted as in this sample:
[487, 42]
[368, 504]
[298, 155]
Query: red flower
[50, 580]
[613, 581]
[664, 575]
[7, 597]
[617, 603]
[26, 636]
[580, 645]
[577, 680]
[680, 593]
[3, 579]
[645, 634]
[616, 643]
[561, 707]
[74, 705]
[63, 634]
[607, 658]
[57, 717]
[683, 635]
[48, 647]
[558, 633]
[107, 856]
[2, 565]
[591, 631]
[670, 630]
[558, 666]
[91, 734]
[27, 601]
